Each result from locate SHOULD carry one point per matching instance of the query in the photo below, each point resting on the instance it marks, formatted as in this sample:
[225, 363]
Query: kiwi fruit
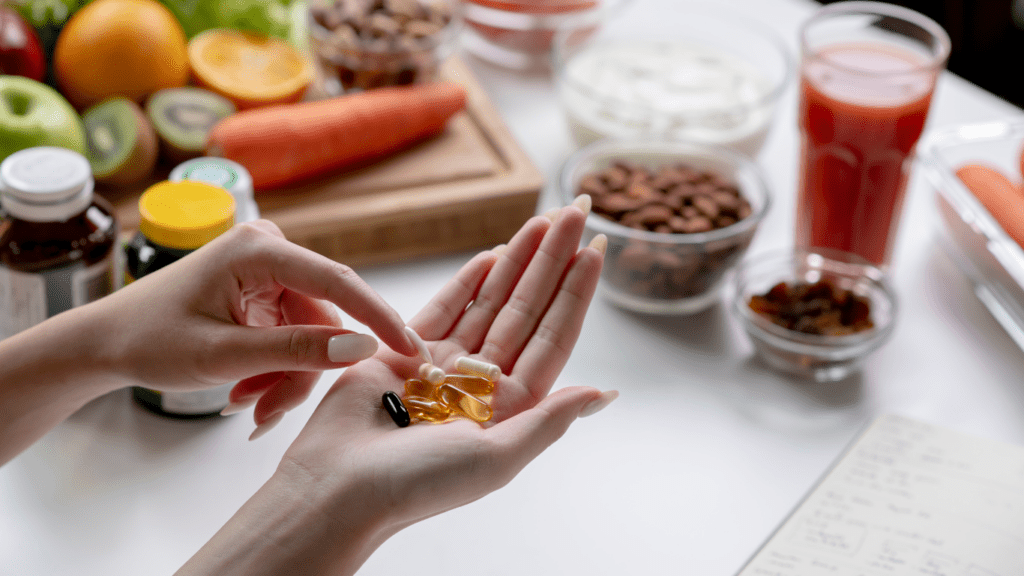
[183, 118]
[120, 142]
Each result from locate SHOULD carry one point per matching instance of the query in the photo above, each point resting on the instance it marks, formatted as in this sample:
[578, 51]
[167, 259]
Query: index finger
[317, 276]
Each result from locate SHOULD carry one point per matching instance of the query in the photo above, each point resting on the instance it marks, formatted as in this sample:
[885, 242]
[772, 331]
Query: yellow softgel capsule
[464, 404]
[475, 385]
[426, 409]
[421, 388]
[467, 365]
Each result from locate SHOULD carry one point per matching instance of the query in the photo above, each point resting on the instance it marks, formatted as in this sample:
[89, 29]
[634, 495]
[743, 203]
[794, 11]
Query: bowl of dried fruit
[366, 44]
[678, 216]
[815, 314]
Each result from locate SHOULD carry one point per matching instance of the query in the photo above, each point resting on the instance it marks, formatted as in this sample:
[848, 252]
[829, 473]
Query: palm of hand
[523, 311]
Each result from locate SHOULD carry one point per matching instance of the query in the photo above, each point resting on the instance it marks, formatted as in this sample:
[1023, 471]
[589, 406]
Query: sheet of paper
[907, 498]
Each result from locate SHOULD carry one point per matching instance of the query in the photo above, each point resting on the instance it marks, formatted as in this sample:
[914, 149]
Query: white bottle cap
[45, 184]
[225, 173]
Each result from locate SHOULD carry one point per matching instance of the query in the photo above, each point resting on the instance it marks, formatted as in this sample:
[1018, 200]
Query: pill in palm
[395, 408]
[426, 409]
[475, 385]
[464, 404]
[418, 387]
[467, 365]
[431, 373]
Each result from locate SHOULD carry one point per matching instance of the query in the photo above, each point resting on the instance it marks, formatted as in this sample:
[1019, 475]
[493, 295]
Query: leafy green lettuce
[270, 17]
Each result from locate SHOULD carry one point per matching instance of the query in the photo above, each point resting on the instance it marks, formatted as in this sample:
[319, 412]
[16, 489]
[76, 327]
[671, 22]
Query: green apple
[33, 114]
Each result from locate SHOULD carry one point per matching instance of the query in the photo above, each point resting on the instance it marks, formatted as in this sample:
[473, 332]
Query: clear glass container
[690, 71]
[978, 245]
[810, 356]
[668, 273]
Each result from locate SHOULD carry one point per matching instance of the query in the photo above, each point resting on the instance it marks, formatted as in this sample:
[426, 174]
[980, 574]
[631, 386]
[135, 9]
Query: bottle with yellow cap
[176, 219]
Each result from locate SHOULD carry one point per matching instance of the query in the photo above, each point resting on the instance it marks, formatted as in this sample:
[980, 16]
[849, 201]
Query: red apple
[20, 51]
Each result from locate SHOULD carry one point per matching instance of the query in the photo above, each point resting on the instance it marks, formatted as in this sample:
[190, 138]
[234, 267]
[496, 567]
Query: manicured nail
[599, 243]
[351, 347]
[236, 407]
[583, 202]
[599, 403]
[420, 345]
[552, 214]
[267, 425]
[499, 249]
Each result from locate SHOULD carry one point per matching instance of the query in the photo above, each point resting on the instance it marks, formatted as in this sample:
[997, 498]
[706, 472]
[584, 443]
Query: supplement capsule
[393, 404]
[431, 373]
[427, 409]
[468, 365]
[464, 404]
[421, 388]
[475, 385]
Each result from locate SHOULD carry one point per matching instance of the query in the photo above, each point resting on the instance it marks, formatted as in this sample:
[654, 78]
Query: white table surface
[687, 473]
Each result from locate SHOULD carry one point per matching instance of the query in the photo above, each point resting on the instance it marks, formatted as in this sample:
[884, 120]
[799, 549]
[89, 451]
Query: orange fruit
[248, 69]
[111, 48]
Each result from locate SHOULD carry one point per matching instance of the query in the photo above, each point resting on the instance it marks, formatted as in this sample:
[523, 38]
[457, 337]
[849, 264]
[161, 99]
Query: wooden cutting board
[470, 187]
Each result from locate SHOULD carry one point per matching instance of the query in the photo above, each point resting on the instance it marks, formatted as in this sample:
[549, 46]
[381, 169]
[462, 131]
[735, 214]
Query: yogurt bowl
[692, 72]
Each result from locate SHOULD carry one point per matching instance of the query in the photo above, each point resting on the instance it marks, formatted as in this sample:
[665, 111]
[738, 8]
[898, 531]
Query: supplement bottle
[57, 240]
[225, 173]
[176, 219]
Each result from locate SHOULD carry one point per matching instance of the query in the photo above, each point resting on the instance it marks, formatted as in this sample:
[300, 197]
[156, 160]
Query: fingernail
[351, 347]
[268, 425]
[599, 243]
[236, 407]
[499, 249]
[599, 403]
[420, 345]
[552, 214]
[584, 203]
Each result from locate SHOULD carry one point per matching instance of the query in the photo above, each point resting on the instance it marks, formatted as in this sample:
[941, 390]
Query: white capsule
[468, 365]
[431, 373]
[420, 345]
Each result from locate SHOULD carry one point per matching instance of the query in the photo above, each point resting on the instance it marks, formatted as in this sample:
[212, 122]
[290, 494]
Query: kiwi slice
[183, 118]
[120, 142]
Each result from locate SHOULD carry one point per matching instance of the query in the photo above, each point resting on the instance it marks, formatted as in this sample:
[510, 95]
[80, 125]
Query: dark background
[988, 46]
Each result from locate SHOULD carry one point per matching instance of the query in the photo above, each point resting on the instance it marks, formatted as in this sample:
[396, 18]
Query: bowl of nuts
[678, 216]
[366, 44]
[814, 314]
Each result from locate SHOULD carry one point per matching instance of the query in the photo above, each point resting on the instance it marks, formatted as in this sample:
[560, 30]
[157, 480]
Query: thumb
[243, 351]
[524, 436]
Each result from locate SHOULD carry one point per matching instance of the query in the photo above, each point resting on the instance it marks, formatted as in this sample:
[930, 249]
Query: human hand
[526, 307]
[191, 325]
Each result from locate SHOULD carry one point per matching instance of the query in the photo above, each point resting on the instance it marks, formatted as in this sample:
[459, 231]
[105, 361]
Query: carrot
[1001, 197]
[283, 144]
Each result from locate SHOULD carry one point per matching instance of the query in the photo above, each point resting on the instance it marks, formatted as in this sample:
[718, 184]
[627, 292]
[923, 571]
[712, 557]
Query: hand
[521, 307]
[249, 306]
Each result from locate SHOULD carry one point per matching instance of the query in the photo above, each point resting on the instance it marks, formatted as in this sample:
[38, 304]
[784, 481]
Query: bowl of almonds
[678, 216]
[366, 44]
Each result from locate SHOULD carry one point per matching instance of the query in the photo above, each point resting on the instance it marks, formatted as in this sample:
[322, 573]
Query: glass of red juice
[867, 75]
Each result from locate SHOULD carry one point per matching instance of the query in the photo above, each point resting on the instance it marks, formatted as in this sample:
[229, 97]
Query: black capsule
[393, 404]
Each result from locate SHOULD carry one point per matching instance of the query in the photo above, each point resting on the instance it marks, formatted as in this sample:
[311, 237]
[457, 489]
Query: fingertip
[597, 404]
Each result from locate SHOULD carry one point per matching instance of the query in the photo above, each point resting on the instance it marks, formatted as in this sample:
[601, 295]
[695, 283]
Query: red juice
[862, 110]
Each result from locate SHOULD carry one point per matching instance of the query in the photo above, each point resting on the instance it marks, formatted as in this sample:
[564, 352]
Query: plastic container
[518, 33]
[693, 72]
[397, 44]
[57, 240]
[664, 273]
[810, 356]
[176, 219]
[992, 261]
[226, 174]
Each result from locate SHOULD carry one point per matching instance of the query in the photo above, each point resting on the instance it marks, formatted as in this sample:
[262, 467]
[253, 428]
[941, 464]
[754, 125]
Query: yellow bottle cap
[185, 215]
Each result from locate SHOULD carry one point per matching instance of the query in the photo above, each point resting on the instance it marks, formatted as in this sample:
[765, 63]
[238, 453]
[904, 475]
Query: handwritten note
[907, 498]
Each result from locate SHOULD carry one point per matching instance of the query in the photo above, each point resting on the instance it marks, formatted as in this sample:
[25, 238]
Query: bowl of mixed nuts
[366, 44]
[678, 216]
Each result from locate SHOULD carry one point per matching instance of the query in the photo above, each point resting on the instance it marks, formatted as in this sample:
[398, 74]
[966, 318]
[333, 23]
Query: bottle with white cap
[57, 240]
[225, 173]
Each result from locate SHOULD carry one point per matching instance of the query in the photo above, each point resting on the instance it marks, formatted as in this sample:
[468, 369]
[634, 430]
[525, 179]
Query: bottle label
[26, 299]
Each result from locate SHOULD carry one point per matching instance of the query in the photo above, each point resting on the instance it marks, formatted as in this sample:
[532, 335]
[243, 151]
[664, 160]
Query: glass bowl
[821, 358]
[978, 245]
[360, 45]
[687, 71]
[667, 272]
